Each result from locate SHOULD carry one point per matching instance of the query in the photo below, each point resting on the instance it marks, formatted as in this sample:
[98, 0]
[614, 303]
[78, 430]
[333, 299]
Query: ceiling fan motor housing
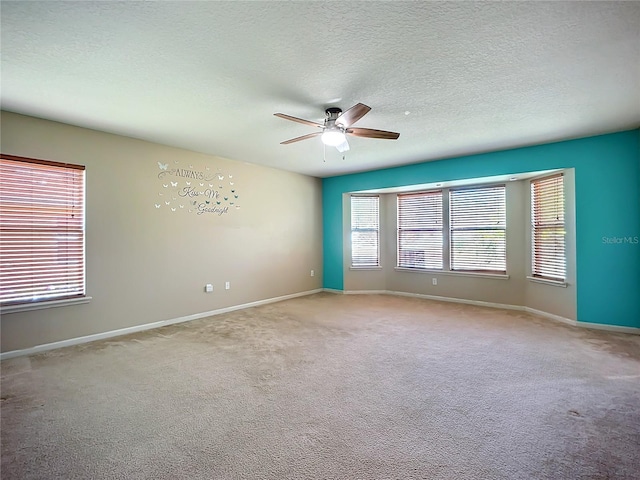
[333, 113]
[330, 122]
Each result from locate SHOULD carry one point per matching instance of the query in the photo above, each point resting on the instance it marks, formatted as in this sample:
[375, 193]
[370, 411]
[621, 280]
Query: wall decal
[200, 196]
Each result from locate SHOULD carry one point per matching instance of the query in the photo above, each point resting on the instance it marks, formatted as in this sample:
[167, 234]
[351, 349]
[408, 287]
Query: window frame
[376, 229]
[35, 298]
[477, 228]
[535, 268]
[440, 196]
[447, 234]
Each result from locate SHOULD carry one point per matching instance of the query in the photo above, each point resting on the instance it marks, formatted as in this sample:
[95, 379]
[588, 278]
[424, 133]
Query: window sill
[545, 281]
[25, 307]
[495, 276]
[365, 268]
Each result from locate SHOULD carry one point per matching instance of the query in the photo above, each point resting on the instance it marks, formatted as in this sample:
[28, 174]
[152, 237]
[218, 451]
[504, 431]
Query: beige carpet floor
[331, 387]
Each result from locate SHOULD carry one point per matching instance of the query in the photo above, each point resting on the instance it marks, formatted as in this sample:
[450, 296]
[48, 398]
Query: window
[478, 228]
[41, 230]
[548, 259]
[453, 229]
[365, 234]
[420, 230]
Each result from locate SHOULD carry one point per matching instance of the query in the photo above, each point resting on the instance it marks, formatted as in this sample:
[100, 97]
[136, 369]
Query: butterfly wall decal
[163, 166]
[174, 184]
[157, 206]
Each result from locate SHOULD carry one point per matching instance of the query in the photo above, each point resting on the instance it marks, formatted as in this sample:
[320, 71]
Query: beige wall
[515, 290]
[148, 264]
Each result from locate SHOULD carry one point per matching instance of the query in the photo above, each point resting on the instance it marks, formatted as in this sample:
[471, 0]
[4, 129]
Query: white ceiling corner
[208, 76]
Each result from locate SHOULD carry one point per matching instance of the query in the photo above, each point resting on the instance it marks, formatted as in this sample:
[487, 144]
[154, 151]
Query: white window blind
[478, 228]
[365, 235]
[420, 230]
[41, 230]
[548, 228]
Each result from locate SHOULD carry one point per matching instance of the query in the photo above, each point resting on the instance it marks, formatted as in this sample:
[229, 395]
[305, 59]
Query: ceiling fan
[337, 125]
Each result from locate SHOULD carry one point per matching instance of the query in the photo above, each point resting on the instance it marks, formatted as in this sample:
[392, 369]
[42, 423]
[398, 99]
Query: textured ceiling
[208, 76]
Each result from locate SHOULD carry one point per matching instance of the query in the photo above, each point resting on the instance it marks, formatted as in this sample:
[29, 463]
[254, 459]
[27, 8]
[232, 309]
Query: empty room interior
[320, 240]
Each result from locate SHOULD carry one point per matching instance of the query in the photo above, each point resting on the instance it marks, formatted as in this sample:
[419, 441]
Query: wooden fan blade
[299, 120]
[303, 137]
[352, 115]
[372, 133]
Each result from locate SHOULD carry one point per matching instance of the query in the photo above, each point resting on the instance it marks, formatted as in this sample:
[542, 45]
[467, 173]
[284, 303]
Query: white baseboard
[610, 328]
[533, 311]
[457, 300]
[333, 290]
[147, 326]
[550, 316]
[366, 292]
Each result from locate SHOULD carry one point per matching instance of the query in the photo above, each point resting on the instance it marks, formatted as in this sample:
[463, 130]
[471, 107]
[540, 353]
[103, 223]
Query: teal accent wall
[607, 176]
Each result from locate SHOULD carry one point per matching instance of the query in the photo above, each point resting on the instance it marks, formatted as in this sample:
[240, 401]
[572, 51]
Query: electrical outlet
[313, 273]
[434, 281]
[208, 288]
[227, 285]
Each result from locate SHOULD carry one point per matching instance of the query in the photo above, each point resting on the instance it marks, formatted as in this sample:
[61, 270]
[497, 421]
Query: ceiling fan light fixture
[333, 137]
[337, 125]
